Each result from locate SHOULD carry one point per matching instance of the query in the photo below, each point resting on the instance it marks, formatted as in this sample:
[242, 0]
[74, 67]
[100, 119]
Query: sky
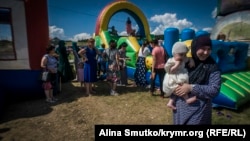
[76, 19]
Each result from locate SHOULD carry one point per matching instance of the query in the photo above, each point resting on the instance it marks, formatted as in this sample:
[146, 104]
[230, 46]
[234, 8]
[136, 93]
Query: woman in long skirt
[141, 69]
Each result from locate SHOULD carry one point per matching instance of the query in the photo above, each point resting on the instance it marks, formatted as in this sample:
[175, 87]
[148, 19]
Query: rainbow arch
[122, 6]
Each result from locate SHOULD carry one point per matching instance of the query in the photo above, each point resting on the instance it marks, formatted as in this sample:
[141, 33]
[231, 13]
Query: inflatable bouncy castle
[231, 56]
[19, 73]
[103, 36]
[232, 60]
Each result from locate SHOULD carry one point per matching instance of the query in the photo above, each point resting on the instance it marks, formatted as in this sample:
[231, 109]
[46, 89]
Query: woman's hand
[152, 76]
[182, 89]
[81, 52]
[53, 70]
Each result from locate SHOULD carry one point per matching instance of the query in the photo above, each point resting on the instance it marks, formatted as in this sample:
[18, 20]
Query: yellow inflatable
[188, 43]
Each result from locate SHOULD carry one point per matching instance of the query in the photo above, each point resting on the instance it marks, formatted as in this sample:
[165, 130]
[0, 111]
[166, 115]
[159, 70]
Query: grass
[144, 109]
[220, 115]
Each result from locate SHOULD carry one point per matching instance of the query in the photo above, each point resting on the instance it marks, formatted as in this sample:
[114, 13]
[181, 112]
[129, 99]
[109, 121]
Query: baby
[176, 73]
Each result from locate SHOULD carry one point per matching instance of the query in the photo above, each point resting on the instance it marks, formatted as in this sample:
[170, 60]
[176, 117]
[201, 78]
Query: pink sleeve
[153, 52]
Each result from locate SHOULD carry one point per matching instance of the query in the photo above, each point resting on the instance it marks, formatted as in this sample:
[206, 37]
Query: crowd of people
[189, 83]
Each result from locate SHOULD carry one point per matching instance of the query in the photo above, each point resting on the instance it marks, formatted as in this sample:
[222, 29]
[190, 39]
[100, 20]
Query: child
[80, 73]
[101, 62]
[176, 72]
[80, 69]
[122, 64]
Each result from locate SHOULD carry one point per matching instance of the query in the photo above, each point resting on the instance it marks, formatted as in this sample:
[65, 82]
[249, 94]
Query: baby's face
[179, 56]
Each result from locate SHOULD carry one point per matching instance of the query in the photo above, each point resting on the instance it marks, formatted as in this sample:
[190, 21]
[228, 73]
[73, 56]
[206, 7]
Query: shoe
[54, 99]
[50, 101]
[113, 93]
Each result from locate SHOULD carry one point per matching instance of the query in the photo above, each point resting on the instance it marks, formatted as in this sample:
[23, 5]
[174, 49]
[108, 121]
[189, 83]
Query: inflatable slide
[234, 90]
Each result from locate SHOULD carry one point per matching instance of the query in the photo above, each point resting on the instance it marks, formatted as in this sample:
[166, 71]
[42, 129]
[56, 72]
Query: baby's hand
[173, 69]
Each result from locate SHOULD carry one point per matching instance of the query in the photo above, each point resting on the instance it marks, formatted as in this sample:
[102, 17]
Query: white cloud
[169, 20]
[81, 36]
[208, 29]
[56, 32]
[123, 33]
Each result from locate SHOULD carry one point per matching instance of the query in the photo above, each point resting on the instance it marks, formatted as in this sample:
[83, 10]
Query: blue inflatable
[232, 60]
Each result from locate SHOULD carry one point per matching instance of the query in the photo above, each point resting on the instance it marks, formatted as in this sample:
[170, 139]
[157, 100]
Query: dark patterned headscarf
[200, 73]
[198, 43]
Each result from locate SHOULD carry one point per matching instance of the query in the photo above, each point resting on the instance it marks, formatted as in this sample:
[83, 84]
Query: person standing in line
[80, 69]
[90, 66]
[141, 68]
[49, 63]
[113, 71]
[158, 62]
[122, 64]
[80, 75]
[77, 59]
[204, 83]
[101, 62]
[64, 67]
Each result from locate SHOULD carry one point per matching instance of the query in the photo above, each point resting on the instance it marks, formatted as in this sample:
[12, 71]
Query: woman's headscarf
[198, 43]
[200, 73]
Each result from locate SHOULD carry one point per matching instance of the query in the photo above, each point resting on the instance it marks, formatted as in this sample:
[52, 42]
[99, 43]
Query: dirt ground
[74, 116]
